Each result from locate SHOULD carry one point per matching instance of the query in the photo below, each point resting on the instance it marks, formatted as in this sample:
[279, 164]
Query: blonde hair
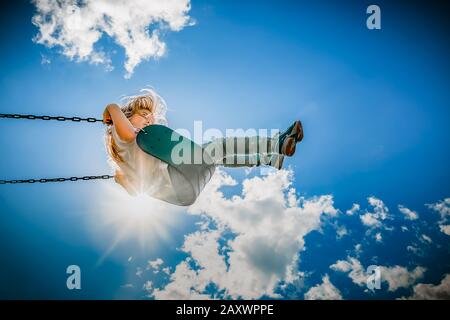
[148, 100]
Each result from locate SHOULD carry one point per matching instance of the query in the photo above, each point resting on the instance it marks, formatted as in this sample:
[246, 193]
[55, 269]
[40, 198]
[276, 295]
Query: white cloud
[445, 229]
[45, 60]
[369, 220]
[76, 26]
[378, 237]
[148, 285]
[400, 277]
[166, 270]
[185, 283]
[155, 265]
[415, 250]
[440, 291]
[341, 231]
[249, 245]
[380, 212]
[354, 209]
[358, 249]
[355, 269]
[324, 291]
[269, 228]
[396, 276]
[409, 214]
[148, 288]
[425, 238]
[380, 208]
[443, 208]
[139, 272]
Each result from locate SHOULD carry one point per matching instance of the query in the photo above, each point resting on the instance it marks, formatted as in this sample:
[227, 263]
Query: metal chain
[56, 179]
[58, 118]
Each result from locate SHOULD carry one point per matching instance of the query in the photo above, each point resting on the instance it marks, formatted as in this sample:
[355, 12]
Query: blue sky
[374, 104]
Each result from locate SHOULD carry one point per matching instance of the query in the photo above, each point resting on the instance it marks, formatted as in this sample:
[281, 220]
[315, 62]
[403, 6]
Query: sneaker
[289, 139]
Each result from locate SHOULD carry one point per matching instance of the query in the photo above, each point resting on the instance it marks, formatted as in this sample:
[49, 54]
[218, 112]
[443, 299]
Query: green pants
[243, 151]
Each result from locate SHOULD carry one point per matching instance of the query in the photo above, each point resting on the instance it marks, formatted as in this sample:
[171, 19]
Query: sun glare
[140, 220]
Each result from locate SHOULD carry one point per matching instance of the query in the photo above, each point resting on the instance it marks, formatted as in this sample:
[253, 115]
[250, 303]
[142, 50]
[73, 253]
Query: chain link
[58, 118]
[56, 179]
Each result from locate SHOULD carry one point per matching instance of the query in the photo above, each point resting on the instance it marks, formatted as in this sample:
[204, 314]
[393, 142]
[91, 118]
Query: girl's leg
[242, 151]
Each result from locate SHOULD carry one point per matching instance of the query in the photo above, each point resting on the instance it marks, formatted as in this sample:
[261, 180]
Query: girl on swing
[137, 171]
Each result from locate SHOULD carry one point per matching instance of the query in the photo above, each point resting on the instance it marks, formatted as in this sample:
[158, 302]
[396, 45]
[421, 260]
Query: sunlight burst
[140, 220]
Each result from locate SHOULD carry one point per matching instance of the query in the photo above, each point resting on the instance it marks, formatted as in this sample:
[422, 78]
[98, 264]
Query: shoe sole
[295, 136]
[288, 148]
[297, 131]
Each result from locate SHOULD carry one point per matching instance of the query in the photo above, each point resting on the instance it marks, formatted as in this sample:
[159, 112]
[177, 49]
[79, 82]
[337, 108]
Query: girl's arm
[124, 128]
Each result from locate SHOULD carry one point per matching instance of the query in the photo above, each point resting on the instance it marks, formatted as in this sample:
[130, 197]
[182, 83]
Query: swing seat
[190, 167]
